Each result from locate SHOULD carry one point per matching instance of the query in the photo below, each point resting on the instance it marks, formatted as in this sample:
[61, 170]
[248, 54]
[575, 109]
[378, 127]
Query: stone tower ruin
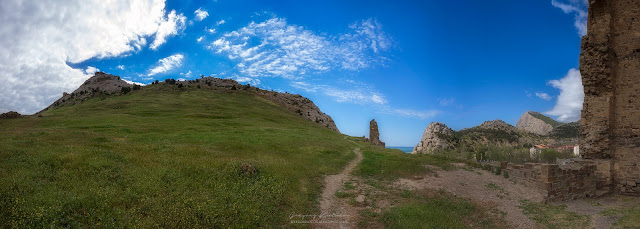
[374, 135]
[610, 68]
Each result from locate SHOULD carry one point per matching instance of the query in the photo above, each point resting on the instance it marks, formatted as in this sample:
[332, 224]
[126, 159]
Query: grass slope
[164, 157]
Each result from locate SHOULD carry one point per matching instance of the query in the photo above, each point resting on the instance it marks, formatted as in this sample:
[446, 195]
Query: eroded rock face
[431, 140]
[610, 69]
[530, 123]
[374, 135]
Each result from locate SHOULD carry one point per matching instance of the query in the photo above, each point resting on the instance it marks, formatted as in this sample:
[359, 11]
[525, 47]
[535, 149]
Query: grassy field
[163, 157]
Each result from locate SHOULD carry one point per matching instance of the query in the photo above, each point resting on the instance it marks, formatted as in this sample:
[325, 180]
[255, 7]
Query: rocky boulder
[432, 139]
[536, 123]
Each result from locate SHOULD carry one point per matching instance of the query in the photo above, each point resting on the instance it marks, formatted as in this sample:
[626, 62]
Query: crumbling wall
[555, 182]
[610, 68]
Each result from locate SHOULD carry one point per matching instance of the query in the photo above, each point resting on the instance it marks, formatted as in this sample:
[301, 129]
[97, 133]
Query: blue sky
[404, 63]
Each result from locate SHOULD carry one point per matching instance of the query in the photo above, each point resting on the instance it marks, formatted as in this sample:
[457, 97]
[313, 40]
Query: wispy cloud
[579, 9]
[167, 64]
[569, 104]
[411, 113]
[121, 67]
[362, 94]
[200, 38]
[543, 95]
[173, 24]
[275, 48]
[91, 70]
[201, 14]
[221, 22]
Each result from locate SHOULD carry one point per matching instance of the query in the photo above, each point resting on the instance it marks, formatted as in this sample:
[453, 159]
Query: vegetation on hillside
[164, 156]
[545, 119]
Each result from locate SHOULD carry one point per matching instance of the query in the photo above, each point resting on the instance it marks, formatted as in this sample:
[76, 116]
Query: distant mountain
[534, 128]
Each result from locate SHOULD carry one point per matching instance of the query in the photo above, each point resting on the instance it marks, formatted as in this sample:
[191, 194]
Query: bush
[125, 90]
[549, 155]
[136, 87]
[505, 174]
[498, 170]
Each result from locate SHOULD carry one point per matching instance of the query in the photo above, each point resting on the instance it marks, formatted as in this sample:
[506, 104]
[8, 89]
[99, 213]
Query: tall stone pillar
[610, 69]
[374, 135]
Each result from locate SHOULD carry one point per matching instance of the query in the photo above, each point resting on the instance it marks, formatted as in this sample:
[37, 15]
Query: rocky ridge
[536, 123]
[103, 84]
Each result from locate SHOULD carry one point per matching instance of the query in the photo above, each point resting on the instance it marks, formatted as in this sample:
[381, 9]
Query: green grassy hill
[164, 157]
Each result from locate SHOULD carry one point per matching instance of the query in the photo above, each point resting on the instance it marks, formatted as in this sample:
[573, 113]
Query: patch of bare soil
[483, 187]
[336, 212]
[595, 208]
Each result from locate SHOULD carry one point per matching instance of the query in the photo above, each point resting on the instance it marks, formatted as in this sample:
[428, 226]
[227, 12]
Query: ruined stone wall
[555, 182]
[610, 68]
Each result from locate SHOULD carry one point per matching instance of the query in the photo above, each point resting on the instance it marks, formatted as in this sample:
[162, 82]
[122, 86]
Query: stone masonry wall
[555, 182]
[610, 68]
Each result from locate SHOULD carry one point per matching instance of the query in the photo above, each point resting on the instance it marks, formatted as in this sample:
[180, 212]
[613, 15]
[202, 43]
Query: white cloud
[249, 80]
[201, 14]
[132, 82]
[166, 64]
[543, 95]
[200, 38]
[221, 22]
[275, 48]
[39, 38]
[569, 104]
[91, 70]
[579, 9]
[121, 67]
[186, 74]
[169, 27]
[211, 31]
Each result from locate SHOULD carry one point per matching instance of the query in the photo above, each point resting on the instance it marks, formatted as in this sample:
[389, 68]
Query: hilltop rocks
[99, 84]
[10, 115]
[374, 135]
[302, 106]
[431, 138]
[530, 121]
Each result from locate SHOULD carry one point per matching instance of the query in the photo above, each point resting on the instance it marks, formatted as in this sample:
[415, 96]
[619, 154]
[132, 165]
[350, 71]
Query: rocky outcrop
[301, 106]
[374, 135]
[535, 123]
[10, 115]
[432, 138]
[610, 69]
[99, 84]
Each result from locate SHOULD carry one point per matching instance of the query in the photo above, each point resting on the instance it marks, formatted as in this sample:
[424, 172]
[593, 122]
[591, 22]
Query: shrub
[136, 87]
[498, 170]
[549, 155]
[505, 174]
[125, 90]
[180, 85]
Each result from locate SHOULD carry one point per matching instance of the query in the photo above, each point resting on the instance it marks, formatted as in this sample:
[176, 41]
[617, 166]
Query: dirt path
[482, 186]
[336, 213]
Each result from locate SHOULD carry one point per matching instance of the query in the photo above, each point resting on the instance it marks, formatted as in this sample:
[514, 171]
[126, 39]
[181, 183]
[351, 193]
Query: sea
[406, 149]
